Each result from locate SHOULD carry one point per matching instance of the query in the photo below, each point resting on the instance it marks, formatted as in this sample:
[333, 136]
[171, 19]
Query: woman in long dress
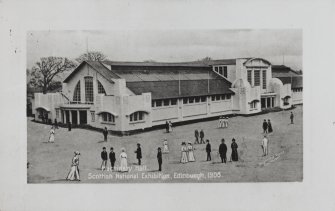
[123, 161]
[269, 127]
[190, 148]
[170, 126]
[165, 146]
[52, 135]
[183, 153]
[74, 171]
[234, 154]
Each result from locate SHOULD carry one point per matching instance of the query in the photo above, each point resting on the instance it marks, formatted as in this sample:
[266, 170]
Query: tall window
[137, 116]
[264, 79]
[93, 116]
[220, 70]
[249, 77]
[107, 117]
[257, 79]
[101, 89]
[76, 93]
[225, 71]
[89, 89]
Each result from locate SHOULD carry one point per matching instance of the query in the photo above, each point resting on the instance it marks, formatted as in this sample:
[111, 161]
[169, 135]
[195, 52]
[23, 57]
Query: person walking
[170, 126]
[226, 122]
[104, 158]
[202, 135]
[196, 135]
[265, 126]
[74, 171]
[220, 122]
[112, 157]
[165, 146]
[208, 150]
[105, 133]
[52, 135]
[234, 154]
[265, 142]
[56, 124]
[183, 153]
[159, 159]
[69, 126]
[223, 151]
[291, 117]
[123, 161]
[270, 130]
[167, 126]
[190, 154]
[139, 153]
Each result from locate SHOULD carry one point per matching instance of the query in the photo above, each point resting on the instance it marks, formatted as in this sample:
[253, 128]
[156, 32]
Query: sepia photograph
[165, 106]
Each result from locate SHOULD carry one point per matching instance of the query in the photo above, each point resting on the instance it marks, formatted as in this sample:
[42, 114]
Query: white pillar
[78, 118]
[70, 116]
[64, 113]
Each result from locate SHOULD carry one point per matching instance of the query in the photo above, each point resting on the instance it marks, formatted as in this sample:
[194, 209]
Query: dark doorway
[67, 116]
[263, 102]
[83, 117]
[74, 117]
[268, 102]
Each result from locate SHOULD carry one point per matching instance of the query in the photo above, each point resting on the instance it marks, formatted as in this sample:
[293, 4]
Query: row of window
[222, 70]
[88, 90]
[188, 100]
[134, 117]
[297, 89]
[256, 78]
[253, 105]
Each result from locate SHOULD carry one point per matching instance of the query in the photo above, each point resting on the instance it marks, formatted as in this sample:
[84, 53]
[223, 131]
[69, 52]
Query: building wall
[297, 97]
[49, 101]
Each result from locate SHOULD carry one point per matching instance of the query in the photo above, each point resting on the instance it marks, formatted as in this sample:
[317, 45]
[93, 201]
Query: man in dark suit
[69, 125]
[291, 117]
[138, 153]
[112, 157]
[202, 135]
[223, 151]
[208, 150]
[265, 126]
[196, 134]
[105, 133]
[104, 158]
[159, 158]
[167, 126]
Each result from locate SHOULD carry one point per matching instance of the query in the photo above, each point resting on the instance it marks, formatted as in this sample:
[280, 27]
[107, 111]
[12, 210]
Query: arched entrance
[43, 114]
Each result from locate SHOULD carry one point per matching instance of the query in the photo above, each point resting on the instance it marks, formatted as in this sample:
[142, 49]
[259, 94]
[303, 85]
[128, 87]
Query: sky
[278, 46]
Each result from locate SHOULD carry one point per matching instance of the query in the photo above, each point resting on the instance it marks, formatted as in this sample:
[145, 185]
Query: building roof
[96, 65]
[155, 64]
[296, 81]
[283, 71]
[188, 88]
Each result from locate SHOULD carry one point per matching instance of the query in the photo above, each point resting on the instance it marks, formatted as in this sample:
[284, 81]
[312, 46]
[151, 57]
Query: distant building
[126, 96]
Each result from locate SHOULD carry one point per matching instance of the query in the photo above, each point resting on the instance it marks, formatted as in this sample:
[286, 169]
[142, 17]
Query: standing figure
[167, 126]
[220, 122]
[183, 153]
[69, 125]
[123, 161]
[190, 149]
[223, 151]
[269, 127]
[196, 135]
[139, 153]
[165, 146]
[265, 142]
[52, 135]
[159, 159]
[291, 117]
[226, 122]
[234, 154]
[112, 157]
[74, 171]
[104, 159]
[56, 124]
[208, 150]
[170, 126]
[105, 133]
[265, 126]
[202, 135]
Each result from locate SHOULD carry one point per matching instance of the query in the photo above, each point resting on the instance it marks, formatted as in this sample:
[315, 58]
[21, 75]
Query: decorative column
[70, 116]
[78, 118]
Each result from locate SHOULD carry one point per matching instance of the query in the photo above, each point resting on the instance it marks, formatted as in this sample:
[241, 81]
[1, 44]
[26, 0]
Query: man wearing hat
[138, 153]
[104, 158]
[112, 157]
[159, 158]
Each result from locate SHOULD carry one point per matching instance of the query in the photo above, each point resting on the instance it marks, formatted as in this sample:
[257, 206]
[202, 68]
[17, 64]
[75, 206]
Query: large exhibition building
[126, 96]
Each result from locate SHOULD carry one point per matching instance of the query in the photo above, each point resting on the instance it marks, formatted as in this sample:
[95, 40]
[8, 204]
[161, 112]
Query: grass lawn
[50, 162]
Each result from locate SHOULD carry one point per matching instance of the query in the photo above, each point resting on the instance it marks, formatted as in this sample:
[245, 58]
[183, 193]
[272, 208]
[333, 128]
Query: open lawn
[50, 162]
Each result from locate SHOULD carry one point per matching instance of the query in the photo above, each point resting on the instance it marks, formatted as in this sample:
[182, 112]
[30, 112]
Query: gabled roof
[296, 81]
[96, 65]
[283, 71]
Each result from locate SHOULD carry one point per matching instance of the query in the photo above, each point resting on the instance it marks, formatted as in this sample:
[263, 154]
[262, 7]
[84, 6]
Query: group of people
[199, 136]
[267, 126]
[187, 153]
[168, 126]
[223, 122]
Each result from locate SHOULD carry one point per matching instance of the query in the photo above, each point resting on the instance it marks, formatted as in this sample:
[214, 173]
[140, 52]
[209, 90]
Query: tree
[91, 56]
[44, 72]
[206, 60]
